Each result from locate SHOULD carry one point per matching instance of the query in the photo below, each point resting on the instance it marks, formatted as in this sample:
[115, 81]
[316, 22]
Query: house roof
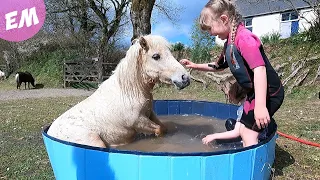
[250, 8]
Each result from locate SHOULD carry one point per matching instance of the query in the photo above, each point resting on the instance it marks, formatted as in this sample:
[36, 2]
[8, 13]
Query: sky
[181, 32]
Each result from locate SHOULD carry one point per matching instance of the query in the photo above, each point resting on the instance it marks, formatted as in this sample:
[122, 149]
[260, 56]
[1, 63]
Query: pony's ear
[143, 44]
[134, 41]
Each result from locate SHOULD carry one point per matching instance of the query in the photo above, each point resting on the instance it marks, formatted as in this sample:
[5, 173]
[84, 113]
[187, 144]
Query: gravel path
[42, 93]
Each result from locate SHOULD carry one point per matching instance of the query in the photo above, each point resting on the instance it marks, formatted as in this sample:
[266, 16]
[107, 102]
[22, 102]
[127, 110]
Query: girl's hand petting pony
[187, 63]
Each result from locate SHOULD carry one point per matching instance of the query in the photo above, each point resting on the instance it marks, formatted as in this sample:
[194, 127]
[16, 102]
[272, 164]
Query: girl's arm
[206, 67]
[200, 67]
[260, 89]
[224, 135]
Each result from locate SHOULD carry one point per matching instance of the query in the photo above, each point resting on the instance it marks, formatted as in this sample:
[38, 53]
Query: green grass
[23, 155]
[8, 84]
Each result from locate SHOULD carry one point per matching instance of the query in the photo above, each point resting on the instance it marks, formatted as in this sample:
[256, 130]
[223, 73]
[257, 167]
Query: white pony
[122, 105]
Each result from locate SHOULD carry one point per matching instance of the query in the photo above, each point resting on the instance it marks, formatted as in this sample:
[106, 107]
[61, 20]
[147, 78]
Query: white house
[286, 17]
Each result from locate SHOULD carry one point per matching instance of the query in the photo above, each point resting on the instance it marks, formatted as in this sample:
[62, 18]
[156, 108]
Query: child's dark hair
[237, 93]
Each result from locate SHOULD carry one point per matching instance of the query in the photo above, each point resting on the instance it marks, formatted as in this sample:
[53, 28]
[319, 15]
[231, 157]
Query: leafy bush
[178, 46]
[47, 67]
[270, 38]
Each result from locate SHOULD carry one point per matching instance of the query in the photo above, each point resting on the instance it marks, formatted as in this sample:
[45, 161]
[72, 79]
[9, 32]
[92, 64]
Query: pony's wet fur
[122, 105]
[25, 77]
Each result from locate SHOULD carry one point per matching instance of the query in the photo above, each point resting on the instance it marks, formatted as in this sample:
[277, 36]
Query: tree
[109, 26]
[178, 47]
[301, 72]
[140, 13]
[202, 44]
[98, 20]
[314, 24]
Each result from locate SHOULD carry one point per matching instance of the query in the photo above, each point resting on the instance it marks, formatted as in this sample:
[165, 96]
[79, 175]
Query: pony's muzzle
[182, 82]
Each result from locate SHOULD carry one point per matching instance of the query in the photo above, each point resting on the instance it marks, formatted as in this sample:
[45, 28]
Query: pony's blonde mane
[129, 79]
[130, 70]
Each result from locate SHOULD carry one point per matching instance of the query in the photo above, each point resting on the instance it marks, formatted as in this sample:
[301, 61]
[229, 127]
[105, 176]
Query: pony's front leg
[154, 118]
[146, 126]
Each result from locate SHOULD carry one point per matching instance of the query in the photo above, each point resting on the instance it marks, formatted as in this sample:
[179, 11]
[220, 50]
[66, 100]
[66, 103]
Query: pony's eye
[156, 56]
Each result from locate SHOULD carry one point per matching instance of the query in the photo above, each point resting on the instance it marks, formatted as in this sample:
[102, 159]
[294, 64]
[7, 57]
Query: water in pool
[184, 135]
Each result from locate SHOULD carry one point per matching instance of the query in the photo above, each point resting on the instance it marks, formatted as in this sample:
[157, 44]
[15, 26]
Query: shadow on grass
[283, 159]
[39, 86]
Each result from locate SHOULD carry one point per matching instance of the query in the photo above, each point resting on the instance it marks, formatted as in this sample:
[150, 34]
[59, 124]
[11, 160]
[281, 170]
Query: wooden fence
[85, 71]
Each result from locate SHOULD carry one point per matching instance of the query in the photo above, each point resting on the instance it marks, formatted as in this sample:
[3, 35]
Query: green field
[23, 155]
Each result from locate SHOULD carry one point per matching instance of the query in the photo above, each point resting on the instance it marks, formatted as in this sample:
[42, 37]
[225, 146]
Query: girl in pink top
[243, 54]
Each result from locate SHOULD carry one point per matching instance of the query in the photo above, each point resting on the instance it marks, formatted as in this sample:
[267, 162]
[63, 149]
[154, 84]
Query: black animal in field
[25, 77]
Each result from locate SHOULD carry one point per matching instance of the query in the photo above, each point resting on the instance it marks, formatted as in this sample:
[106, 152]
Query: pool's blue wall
[213, 109]
[71, 161]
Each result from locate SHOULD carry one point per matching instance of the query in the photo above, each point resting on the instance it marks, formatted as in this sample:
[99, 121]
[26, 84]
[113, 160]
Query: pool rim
[136, 152]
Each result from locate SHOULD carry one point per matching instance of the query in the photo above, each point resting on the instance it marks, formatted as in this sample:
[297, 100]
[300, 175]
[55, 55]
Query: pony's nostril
[185, 78]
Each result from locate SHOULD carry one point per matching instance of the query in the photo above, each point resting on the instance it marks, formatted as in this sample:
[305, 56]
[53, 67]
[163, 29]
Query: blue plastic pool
[72, 161]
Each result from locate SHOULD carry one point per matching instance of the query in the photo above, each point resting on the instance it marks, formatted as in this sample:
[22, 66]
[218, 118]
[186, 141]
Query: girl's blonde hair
[214, 9]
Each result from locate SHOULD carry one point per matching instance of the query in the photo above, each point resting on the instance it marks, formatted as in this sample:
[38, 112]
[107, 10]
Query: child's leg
[224, 135]
[249, 130]
[249, 137]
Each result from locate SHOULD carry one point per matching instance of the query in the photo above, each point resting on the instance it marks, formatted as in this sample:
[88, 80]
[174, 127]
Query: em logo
[21, 19]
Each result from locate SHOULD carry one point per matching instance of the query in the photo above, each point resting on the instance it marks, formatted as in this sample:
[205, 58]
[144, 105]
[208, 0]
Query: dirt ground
[41, 93]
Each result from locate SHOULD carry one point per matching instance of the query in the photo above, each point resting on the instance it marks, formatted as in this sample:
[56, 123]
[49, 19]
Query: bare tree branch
[64, 10]
[98, 12]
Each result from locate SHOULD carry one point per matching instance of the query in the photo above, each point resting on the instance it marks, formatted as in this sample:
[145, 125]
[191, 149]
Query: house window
[289, 16]
[248, 23]
[289, 24]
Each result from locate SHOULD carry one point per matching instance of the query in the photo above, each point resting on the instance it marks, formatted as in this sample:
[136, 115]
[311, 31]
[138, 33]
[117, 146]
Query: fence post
[100, 70]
